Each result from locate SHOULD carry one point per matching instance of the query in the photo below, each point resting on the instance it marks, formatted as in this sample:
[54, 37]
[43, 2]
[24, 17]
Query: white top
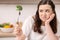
[30, 34]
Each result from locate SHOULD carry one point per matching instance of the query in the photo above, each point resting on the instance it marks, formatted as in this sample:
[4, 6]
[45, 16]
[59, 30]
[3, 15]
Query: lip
[44, 17]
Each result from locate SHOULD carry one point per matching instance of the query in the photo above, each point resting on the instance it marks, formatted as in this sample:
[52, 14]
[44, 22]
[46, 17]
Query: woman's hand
[50, 19]
[49, 31]
[18, 31]
[19, 34]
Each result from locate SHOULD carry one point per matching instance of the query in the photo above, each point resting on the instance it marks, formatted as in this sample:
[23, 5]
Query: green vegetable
[19, 7]
[1, 25]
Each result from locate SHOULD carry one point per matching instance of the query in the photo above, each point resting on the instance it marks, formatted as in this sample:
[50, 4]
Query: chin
[43, 20]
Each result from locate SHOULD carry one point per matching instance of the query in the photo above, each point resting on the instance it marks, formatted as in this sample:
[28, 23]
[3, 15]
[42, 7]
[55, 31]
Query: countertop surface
[5, 34]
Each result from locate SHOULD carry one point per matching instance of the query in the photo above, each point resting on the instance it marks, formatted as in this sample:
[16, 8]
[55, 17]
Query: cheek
[40, 16]
[48, 15]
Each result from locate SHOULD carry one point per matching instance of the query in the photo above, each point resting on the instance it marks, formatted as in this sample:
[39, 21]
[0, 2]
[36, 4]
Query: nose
[44, 13]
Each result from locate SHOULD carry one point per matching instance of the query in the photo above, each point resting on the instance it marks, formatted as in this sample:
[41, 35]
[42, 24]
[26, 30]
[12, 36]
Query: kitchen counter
[3, 34]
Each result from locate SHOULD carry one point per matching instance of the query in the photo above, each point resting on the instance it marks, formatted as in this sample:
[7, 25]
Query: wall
[8, 13]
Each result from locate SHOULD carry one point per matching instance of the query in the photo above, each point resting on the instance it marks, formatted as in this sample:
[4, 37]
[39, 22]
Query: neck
[43, 23]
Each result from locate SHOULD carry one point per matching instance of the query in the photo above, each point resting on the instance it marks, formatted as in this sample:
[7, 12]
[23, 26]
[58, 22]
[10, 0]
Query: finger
[17, 31]
[52, 16]
[17, 27]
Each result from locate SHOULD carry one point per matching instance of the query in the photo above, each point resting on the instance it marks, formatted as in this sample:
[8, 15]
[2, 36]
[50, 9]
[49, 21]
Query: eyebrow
[46, 9]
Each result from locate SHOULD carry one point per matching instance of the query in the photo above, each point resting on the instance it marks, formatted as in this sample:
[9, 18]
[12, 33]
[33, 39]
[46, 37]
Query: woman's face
[44, 12]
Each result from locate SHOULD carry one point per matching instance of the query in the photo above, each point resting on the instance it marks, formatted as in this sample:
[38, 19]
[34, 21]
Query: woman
[42, 26]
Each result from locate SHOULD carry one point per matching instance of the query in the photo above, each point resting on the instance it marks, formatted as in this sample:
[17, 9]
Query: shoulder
[27, 25]
[30, 18]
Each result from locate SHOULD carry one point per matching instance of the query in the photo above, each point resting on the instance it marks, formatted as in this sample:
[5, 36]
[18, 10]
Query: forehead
[46, 6]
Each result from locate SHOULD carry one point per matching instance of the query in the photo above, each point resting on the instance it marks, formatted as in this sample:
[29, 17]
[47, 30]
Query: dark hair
[38, 22]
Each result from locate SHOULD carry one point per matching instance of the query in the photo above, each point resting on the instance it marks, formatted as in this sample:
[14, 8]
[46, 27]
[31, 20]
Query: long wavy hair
[38, 22]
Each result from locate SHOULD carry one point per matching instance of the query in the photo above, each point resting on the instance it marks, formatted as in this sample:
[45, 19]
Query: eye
[47, 11]
[41, 10]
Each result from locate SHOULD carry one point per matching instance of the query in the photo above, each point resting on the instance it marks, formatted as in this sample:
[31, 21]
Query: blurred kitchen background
[8, 12]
